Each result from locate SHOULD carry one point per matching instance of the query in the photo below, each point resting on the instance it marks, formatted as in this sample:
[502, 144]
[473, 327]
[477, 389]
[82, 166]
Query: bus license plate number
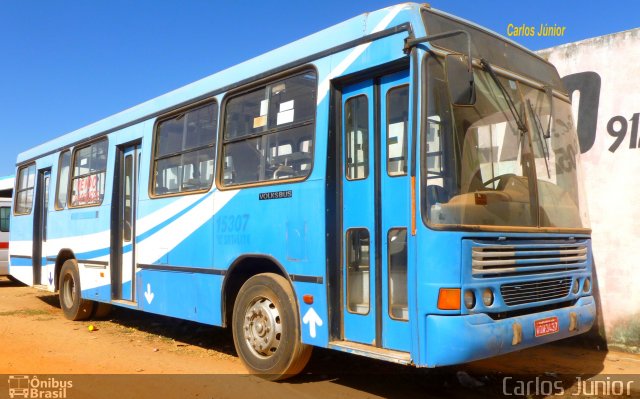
[546, 326]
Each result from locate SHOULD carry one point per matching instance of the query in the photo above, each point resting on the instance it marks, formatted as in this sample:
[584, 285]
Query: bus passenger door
[395, 203]
[358, 214]
[127, 216]
[40, 230]
[376, 213]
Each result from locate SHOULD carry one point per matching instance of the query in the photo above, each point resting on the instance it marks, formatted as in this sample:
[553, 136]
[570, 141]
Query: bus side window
[434, 168]
[89, 174]
[264, 129]
[64, 163]
[185, 151]
[5, 212]
[24, 190]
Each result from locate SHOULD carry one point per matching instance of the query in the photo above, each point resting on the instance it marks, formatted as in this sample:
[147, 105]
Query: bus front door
[376, 211]
[127, 216]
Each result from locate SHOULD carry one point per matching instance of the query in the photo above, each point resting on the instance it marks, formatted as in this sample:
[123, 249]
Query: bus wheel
[71, 302]
[266, 328]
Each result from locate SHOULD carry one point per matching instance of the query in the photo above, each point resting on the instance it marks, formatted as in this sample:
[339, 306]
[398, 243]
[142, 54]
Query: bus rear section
[5, 214]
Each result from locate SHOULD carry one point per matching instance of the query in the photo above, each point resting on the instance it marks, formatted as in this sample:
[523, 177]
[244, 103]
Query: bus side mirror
[460, 80]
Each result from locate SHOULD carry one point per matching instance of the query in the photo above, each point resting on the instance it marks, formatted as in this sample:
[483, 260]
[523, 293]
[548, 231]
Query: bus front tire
[71, 302]
[266, 328]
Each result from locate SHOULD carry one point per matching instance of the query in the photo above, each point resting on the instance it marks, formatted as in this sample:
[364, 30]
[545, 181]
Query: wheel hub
[262, 327]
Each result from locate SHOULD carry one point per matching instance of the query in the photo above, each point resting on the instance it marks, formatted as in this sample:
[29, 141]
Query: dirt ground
[137, 355]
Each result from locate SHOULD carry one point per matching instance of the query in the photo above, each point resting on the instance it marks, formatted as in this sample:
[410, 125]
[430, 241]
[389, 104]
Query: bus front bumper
[460, 339]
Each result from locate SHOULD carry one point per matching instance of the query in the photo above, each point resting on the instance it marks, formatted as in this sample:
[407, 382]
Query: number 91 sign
[618, 127]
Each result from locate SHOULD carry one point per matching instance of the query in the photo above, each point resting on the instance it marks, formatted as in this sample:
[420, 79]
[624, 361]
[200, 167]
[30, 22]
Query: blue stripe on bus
[21, 261]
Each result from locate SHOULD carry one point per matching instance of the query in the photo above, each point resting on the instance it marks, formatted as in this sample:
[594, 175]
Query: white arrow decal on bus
[149, 295]
[312, 319]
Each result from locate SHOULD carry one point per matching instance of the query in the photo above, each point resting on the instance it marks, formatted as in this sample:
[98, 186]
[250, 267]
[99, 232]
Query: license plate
[546, 326]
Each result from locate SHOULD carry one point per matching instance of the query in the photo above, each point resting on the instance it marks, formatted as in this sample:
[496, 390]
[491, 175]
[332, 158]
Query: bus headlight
[487, 297]
[576, 286]
[469, 299]
[587, 285]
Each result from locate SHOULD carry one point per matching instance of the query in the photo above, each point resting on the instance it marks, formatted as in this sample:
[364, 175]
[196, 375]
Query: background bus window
[356, 127]
[397, 244]
[24, 191]
[89, 173]
[5, 213]
[268, 133]
[63, 179]
[358, 263]
[185, 151]
[397, 124]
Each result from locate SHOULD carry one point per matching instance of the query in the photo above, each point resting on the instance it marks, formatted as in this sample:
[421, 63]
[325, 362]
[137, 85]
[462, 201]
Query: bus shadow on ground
[5, 281]
[561, 365]
[181, 331]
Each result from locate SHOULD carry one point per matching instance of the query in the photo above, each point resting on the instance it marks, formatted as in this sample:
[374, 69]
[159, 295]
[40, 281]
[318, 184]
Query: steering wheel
[502, 180]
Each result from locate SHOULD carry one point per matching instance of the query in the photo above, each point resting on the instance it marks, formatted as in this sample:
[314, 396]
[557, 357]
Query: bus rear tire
[266, 328]
[73, 306]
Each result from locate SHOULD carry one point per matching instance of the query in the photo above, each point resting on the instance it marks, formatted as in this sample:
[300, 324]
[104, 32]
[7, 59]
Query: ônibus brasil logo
[24, 386]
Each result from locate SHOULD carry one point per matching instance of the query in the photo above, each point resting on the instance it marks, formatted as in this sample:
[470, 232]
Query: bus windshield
[481, 169]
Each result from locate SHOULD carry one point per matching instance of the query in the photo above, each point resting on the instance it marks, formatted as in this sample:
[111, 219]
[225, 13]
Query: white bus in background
[6, 190]
[5, 213]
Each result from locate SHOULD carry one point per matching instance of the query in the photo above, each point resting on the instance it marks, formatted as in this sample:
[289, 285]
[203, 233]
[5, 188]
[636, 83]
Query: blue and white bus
[404, 185]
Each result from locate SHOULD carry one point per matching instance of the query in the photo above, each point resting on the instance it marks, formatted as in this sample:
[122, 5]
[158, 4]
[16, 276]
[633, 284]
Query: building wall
[603, 75]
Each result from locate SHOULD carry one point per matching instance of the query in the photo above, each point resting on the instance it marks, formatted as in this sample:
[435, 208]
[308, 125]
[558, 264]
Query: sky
[67, 63]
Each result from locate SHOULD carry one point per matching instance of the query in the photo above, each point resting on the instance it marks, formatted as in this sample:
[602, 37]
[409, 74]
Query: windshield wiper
[512, 106]
[541, 137]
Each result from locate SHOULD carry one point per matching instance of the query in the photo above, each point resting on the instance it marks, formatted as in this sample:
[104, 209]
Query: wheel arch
[63, 255]
[241, 270]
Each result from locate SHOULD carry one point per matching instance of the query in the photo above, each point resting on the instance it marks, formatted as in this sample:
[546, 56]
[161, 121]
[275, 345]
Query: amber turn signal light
[449, 299]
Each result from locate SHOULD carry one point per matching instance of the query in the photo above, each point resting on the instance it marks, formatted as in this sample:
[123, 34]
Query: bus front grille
[533, 257]
[535, 291]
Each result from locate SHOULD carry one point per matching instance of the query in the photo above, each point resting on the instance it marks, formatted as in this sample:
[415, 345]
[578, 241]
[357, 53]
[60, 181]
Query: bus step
[125, 303]
[388, 355]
